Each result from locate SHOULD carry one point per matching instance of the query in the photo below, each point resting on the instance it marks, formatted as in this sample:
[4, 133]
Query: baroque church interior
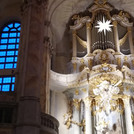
[66, 67]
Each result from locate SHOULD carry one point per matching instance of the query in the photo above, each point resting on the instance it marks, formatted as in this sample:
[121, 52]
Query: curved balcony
[49, 125]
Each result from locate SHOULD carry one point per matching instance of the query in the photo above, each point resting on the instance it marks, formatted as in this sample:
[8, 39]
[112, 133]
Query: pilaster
[30, 76]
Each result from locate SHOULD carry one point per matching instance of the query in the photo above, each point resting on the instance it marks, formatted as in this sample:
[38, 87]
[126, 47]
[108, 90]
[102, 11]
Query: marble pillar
[130, 38]
[88, 116]
[76, 116]
[116, 37]
[74, 44]
[88, 38]
[128, 113]
[32, 36]
[45, 92]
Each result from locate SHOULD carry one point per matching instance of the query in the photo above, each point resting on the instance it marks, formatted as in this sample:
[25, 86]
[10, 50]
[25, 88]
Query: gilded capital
[126, 99]
[75, 66]
[114, 23]
[89, 25]
[129, 29]
[87, 101]
[74, 32]
[76, 103]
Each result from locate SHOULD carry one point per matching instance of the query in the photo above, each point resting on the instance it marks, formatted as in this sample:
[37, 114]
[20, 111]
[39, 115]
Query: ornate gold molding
[115, 23]
[76, 103]
[88, 25]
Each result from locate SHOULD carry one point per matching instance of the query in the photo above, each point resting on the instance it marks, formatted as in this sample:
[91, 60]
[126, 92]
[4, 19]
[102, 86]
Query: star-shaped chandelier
[104, 26]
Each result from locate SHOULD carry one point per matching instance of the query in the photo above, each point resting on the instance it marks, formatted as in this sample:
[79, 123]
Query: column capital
[89, 25]
[126, 99]
[129, 29]
[87, 101]
[74, 32]
[114, 23]
[76, 103]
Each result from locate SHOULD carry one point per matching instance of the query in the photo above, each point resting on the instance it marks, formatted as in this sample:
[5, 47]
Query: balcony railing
[49, 123]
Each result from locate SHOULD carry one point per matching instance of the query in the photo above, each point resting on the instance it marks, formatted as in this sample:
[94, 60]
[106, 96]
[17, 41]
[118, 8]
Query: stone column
[88, 116]
[129, 126]
[76, 116]
[45, 92]
[30, 79]
[88, 38]
[116, 37]
[74, 44]
[130, 37]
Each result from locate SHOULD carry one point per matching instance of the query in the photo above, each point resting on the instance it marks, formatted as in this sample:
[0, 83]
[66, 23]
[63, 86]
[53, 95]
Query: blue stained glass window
[0, 80]
[7, 66]
[10, 53]
[16, 53]
[6, 88]
[7, 80]
[13, 29]
[16, 25]
[3, 46]
[10, 25]
[3, 41]
[9, 44]
[7, 83]
[19, 28]
[3, 53]
[4, 35]
[1, 66]
[2, 59]
[12, 40]
[18, 34]
[9, 59]
[18, 40]
[13, 79]
[12, 87]
[12, 34]
[15, 65]
[6, 29]
[17, 46]
[16, 59]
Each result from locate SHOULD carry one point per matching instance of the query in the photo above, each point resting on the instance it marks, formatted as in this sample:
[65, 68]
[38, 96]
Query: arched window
[9, 44]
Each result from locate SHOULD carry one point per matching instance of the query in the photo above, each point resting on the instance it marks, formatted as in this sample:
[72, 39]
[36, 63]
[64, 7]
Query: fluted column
[76, 116]
[74, 44]
[88, 116]
[129, 126]
[30, 72]
[130, 37]
[116, 37]
[88, 38]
